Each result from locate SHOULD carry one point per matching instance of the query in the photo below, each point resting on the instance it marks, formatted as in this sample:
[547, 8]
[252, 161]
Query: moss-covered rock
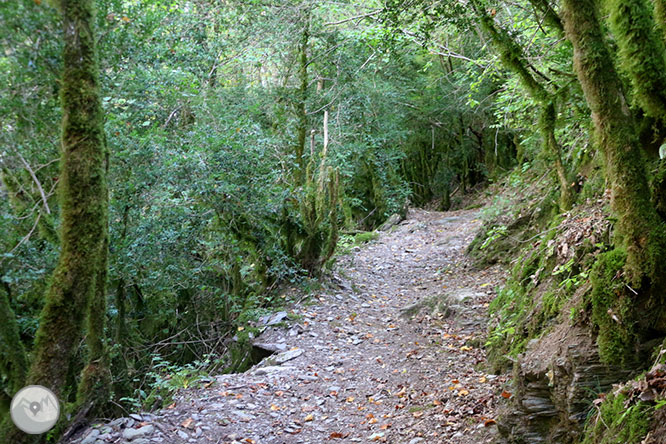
[612, 309]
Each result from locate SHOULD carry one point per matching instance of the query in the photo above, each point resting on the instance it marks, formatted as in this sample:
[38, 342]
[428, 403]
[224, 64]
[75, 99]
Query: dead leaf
[188, 423]
[308, 418]
[489, 422]
[505, 394]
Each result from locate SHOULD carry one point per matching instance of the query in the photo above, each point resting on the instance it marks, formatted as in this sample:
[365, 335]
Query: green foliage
[615, 422]
[492, 235]
[157, 387]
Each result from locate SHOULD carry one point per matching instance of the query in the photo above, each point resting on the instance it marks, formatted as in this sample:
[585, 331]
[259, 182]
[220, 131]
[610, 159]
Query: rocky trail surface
[392, 352]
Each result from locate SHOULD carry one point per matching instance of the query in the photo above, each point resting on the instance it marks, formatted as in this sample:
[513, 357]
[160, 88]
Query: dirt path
[393, 355]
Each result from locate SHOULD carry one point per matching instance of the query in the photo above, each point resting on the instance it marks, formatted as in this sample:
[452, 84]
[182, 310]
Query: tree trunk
[302, 98]
[513, 58]
[83, 201]
[641, 54]
[641, 230]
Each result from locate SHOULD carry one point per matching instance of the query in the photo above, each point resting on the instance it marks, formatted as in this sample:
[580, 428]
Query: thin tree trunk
[513, 58]
[302, 98]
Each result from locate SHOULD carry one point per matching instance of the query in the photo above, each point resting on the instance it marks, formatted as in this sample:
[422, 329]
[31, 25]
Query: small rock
[416, 440]
[182, 434]
[276, 318]
[91, 437]
[121, 422]
[130, 434]
[242, 415]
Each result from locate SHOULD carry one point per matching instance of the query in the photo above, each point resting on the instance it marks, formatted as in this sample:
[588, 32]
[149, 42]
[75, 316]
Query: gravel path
[392, 354]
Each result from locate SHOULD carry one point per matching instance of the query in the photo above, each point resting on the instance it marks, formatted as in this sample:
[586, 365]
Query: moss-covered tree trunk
[302, 99]
[641, 53]
[512, 58]
[641, 230]
[83, 202]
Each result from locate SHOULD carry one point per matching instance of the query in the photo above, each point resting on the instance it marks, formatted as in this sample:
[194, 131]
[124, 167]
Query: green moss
[658, 189]
[362, 238]
[617, 423]
[639, 50]
[612, 309]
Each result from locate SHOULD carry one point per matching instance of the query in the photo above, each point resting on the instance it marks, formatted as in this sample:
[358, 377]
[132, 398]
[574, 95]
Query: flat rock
[270, 370]
[130, 434]
[288, 355]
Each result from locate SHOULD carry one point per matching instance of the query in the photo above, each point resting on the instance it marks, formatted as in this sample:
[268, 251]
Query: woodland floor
[391, 352]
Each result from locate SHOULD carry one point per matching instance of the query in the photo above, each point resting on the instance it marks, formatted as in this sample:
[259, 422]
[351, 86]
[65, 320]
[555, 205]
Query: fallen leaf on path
[188, 423]
[505, 394]
[489, 422]
[308, 418]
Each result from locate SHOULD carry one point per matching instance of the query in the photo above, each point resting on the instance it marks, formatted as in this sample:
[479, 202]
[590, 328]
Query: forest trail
[392, 354]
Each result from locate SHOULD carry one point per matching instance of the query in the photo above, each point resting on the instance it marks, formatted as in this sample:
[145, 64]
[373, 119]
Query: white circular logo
[35, 409]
